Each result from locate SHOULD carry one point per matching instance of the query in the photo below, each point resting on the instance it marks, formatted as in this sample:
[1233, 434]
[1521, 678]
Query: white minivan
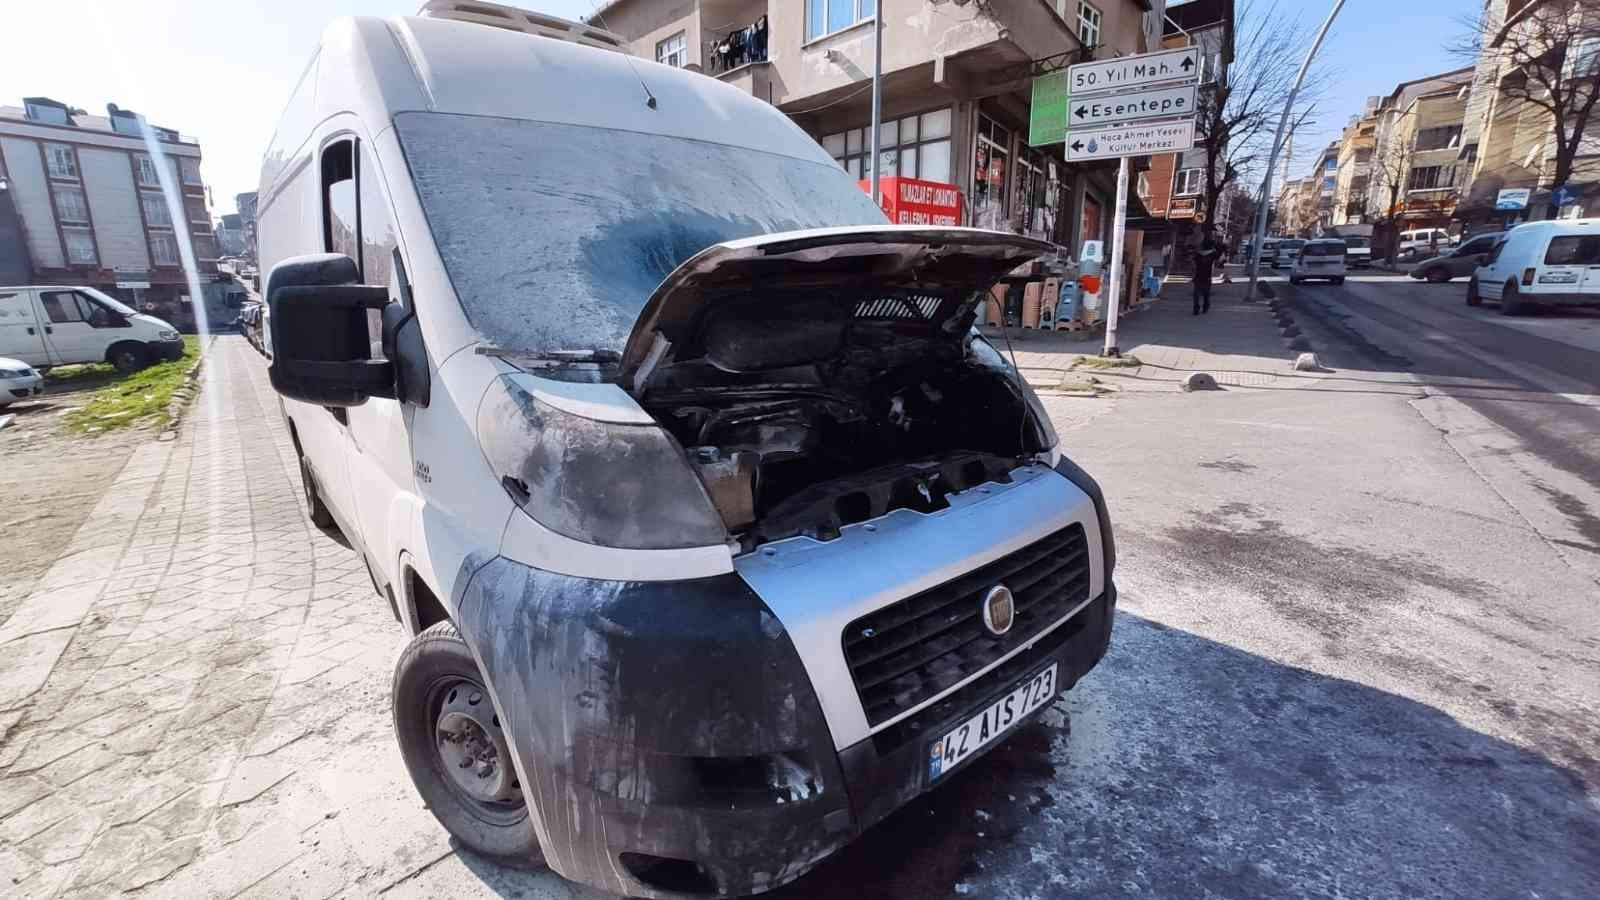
[1322, 258]
[58, 325]
[721, 531]
[1555, 262]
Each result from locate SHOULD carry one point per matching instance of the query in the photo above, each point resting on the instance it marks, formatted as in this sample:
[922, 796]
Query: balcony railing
[739, 47]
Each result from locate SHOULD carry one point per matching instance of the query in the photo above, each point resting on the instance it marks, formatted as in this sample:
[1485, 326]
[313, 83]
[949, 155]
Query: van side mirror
[1483, 259]
[321, 350]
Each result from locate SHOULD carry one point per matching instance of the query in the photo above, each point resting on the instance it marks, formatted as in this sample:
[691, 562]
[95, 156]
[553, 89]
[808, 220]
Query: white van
[1548, 263]
[722, 532]
[1423, 242]
[1320, 258]
[59, 325]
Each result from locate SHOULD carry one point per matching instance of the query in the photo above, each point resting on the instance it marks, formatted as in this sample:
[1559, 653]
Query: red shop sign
[912, 201]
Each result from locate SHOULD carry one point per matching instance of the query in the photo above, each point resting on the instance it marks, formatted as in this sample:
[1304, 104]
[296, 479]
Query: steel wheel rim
[470, 750]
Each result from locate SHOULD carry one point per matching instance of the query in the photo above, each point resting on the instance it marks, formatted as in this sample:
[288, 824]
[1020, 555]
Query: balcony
[736, 40]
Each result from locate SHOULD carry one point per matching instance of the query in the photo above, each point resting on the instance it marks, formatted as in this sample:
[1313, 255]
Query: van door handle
[49, 330]
[31, 331]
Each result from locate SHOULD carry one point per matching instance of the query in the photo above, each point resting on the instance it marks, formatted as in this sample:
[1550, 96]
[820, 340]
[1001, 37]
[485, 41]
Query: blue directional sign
[1564, 195]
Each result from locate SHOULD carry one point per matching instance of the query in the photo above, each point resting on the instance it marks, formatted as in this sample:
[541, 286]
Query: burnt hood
[794, 297]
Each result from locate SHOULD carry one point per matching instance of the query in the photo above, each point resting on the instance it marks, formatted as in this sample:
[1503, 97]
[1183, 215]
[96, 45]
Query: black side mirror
[1483, 259]
[321, 351]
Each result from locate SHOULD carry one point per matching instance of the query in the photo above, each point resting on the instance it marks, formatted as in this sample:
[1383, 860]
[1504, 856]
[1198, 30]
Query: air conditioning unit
[511, 18]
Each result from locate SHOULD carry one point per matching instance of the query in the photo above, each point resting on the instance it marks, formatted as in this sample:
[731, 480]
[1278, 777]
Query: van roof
[378, 68]
[1579, 225]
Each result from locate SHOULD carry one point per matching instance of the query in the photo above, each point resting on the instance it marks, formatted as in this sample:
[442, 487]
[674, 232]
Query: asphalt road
[1354, 658]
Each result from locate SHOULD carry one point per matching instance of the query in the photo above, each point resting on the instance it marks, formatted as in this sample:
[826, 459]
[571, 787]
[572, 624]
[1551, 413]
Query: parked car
[1287, 251]
[703, 507]
[46, 325]
[1320, 258]
[1419, 242]
[1547, 263]
[18, 381]
[1457, 262]
[1358, 251]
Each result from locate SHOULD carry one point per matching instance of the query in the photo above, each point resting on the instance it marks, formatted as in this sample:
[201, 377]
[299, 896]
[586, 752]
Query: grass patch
[139, 399]
[1107, 362]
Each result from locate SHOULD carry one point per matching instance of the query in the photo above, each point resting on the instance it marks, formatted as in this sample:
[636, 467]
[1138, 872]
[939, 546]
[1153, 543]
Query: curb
[185, 393]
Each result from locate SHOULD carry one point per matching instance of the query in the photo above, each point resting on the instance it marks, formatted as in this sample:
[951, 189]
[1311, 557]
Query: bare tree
[1552, 49]
[1390, 166]
[1236, 115]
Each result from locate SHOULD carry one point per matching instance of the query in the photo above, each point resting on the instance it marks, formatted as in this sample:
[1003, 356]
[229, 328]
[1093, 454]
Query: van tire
[127, 357]
[428, 679]
[320, 516]
[1473, 297]
[1509, 304]
[1339, 279]
[1436, 275]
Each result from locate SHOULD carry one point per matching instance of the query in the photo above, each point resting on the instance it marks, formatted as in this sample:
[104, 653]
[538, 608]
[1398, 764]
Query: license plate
[994, 720]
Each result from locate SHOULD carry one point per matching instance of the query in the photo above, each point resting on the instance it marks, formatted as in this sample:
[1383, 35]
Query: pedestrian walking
[1204, 256]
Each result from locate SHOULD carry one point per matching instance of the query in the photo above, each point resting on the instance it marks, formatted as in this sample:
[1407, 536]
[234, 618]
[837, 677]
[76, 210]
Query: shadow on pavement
[1185, 767]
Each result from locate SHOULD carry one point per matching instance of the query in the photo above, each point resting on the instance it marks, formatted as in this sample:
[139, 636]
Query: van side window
[1495, 253]
[341, 224]
[61, 306]
[378, 239]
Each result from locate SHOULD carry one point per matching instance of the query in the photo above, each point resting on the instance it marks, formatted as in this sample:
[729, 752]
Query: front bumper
[166, 351]
[672, 741]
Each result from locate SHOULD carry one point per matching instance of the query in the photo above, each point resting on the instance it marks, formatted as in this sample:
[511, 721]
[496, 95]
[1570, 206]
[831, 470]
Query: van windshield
[554, 235]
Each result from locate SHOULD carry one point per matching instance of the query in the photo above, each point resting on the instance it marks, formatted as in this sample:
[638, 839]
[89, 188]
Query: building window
[54, 114]
[71, 205]
[148, 176]
[1187, 182]
[189, 168]
[824, 17]
[912, 147]
[1428, 178]
[197, 211]
[164, 249]
[156, 214]
[205, 249]
[80, 247]
[991, 158]
[1446, 137]
[1088, 25]
[60, 161]
[671, 52]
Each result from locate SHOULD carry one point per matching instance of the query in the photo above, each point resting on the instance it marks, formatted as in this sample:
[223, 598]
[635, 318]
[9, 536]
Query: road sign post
[1119, 227]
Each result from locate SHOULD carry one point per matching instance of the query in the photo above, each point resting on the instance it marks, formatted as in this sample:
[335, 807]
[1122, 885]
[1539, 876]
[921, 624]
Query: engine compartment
[882, 424]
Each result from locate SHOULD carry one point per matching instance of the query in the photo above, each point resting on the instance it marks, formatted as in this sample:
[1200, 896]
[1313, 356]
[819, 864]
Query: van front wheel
[456, 750]
[127, 358]
[320, 516]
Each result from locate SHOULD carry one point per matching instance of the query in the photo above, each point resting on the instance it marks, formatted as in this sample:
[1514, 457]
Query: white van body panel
[21, 336]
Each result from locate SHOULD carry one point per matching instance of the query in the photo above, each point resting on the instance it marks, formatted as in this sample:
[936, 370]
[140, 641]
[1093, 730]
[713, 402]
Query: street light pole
[877, 95]
[1277, 144]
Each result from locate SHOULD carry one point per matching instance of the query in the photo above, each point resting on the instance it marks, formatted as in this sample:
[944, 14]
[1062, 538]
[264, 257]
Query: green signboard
[1047, 120]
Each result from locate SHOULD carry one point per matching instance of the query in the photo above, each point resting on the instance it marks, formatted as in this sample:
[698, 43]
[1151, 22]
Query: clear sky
[220, 70]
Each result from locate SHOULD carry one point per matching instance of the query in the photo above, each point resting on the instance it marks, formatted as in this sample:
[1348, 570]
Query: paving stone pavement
[194, 700]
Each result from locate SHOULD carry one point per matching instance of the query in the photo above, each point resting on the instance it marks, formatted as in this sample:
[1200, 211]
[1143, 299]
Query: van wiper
[552, 357]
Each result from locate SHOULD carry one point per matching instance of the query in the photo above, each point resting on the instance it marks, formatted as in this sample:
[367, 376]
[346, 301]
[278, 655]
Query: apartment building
[1508, 144]
[246, 205]
[87, 199]
[1327, 180]
[956, 88]
[1353, 168]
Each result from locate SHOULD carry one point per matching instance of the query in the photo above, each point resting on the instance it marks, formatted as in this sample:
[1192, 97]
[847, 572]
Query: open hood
[794, 298]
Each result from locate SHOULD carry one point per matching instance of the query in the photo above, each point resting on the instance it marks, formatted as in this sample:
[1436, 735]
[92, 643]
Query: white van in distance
[1320, 258]
[47, 325]
[722, 532]
[1549, 263]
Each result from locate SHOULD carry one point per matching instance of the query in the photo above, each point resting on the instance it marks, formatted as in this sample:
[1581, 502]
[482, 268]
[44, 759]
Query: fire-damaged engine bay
[895, 418]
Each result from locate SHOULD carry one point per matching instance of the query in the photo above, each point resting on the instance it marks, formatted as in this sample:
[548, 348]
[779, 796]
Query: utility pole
[877, 98]
[1119, 227]
[1277, 143]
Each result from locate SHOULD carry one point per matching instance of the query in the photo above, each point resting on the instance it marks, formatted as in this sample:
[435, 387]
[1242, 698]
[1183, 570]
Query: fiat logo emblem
[999, 609]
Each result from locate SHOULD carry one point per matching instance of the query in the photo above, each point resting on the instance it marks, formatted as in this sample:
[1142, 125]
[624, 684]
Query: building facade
[956, 88]
[246, 205]
[89, 205]
[1507, 143]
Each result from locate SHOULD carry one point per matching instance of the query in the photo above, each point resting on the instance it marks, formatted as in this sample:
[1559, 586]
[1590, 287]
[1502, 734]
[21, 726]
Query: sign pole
[1119, 226]
[877, 100]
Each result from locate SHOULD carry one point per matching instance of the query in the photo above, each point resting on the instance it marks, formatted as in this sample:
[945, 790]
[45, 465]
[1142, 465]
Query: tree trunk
[1563, 172]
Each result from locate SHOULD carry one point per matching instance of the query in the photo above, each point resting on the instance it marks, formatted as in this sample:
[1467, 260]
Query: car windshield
[1357, 243]
[112, 302]
[554, 236]
[1292, 245]
[1323, 248]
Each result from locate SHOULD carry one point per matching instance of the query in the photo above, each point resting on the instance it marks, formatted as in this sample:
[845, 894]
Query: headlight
[616, 485]
[167, 334]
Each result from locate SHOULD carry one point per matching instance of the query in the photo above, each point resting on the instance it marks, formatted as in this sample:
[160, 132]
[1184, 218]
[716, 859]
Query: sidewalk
[1238, 343]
